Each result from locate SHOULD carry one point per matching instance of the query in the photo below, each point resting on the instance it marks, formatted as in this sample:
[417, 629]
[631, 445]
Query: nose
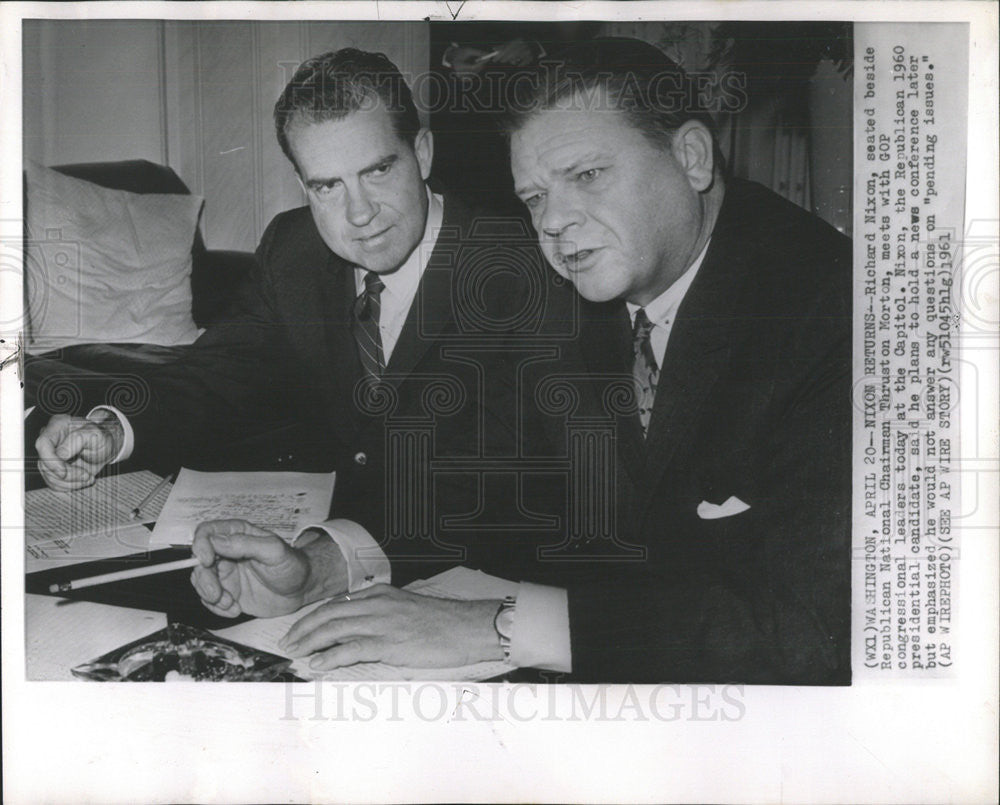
[361, 207]
[560, 214]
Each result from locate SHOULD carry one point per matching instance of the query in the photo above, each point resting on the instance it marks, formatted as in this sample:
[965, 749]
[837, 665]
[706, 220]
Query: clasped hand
[72, 451]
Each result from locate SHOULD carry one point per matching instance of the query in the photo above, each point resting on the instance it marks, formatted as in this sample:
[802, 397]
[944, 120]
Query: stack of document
[98, 522]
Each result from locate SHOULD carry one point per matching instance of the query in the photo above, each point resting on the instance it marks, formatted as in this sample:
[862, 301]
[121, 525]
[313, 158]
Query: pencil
[150, 496]
[135, 573]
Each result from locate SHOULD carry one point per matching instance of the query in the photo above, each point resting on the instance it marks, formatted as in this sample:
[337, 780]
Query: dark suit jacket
[409, 456]
[753, 401]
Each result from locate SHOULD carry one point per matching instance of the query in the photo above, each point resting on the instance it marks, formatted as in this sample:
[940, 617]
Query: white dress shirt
[401, 285]
[662, 311]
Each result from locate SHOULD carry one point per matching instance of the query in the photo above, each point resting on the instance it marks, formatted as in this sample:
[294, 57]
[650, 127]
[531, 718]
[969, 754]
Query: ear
[693, 149]
[423, 147]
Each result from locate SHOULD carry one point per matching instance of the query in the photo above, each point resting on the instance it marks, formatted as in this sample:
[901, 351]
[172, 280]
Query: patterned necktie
[367, 308]
[644, 369]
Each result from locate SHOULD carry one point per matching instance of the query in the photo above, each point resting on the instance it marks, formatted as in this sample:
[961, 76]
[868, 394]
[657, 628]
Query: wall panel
[197, 96]
[92, 91]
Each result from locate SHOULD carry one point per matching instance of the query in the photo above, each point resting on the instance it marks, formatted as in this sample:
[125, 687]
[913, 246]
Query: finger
[206, 584]
[368, 601]
[212, 596]
[76, 477]
[54, 481]
[228, 527]
[201, 547]
[268, 550]
[85, 441]
[226, 612]
[328, 634]
[338, 608]
[45, 446]
[362, 649]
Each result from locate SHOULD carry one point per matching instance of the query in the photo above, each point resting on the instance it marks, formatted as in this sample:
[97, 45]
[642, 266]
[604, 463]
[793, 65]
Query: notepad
[111, 544]
[101, 507]
[458, 583]
[280, 502]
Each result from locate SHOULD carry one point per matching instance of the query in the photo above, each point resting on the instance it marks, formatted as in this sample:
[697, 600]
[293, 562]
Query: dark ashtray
[182, 653]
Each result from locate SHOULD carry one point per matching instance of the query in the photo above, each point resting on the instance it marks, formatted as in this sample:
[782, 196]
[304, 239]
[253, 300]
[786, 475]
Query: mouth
[373, 240]
[579, 260]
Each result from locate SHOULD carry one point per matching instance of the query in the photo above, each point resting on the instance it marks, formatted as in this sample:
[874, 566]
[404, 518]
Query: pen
[135, 573]
[156, 489]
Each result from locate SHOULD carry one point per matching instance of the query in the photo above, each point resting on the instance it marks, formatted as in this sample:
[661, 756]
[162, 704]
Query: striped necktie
[645, 372]
[367, 308]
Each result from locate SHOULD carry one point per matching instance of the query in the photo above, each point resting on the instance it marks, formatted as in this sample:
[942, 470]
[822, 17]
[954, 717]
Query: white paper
[122, 541]
[102, 507]
[281, 502]
[63, 634]
[458, 583]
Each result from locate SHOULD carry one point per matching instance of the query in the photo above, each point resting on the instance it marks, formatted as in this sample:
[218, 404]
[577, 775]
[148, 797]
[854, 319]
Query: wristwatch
[503, 623]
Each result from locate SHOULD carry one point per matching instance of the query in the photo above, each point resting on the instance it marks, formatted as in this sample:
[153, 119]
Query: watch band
[503, 623]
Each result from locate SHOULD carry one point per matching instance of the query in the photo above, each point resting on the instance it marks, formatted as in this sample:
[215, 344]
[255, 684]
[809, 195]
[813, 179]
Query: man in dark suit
[372, 307]
[728, 309]
[708, 517]
[374, 318]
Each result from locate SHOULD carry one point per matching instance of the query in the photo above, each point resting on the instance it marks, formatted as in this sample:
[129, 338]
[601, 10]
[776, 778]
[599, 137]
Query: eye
[589, 175]
[325, 189]
[531, 202]
[381, 170]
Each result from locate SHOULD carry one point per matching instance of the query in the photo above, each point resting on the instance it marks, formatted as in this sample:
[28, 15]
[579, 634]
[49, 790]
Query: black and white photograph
[477, 382]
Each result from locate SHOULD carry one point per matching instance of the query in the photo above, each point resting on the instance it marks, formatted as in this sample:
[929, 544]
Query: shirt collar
[662, 310]
[404, 280]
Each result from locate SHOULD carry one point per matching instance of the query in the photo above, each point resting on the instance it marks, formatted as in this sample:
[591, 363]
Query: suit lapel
[337, 294]
[697, 353]
[432, 309]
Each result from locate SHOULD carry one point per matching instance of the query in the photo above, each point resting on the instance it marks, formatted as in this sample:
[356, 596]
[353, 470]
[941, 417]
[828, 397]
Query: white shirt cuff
[128, 445]
[540, 631]
[366, 563]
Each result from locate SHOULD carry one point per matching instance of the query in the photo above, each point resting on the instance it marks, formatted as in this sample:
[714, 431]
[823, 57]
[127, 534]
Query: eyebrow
[389, 159]
[572, 168]
[520, 191]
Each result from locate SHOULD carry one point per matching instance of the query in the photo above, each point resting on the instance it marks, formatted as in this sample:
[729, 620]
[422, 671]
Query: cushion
[105, 265]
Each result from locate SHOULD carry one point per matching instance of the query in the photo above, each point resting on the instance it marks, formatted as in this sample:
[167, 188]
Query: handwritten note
[282, 502]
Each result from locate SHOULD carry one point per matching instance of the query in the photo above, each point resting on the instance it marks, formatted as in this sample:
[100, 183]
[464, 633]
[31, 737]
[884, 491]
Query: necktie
[365, 326]
[644, 369]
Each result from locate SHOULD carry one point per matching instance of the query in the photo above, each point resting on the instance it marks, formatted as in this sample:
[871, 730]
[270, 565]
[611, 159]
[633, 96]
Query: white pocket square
[715, 511]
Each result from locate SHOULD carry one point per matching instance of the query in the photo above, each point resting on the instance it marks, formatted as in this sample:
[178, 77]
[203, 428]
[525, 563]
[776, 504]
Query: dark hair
[650, 89]
[335, 84]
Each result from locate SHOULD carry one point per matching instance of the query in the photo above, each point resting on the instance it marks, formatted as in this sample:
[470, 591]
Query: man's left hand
[385, 624]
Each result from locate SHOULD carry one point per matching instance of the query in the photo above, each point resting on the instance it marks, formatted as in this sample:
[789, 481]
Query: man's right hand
[72, 450]
[246, 569]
